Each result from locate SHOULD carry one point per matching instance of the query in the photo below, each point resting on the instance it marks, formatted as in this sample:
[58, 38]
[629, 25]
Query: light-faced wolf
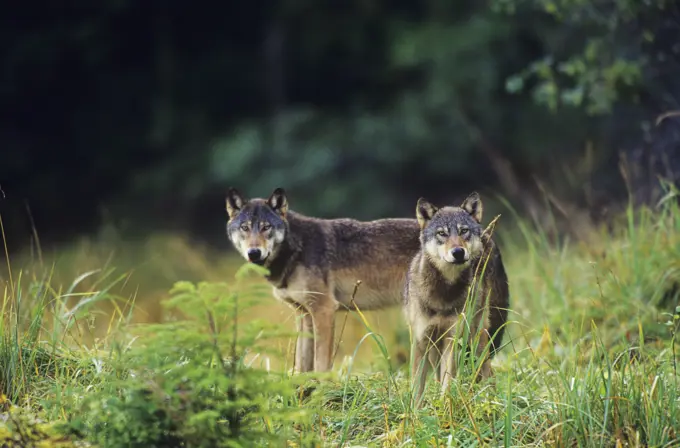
[454, 251]
[314, 264]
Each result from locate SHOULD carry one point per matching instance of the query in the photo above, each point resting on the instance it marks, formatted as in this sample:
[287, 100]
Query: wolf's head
[257, 227]
[451, 236]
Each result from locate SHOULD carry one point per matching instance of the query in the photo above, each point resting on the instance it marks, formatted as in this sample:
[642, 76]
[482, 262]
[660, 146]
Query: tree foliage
[601, 50]
[372, 100]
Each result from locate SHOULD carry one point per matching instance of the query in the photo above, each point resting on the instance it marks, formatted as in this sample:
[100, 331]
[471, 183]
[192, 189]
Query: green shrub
[186, 382]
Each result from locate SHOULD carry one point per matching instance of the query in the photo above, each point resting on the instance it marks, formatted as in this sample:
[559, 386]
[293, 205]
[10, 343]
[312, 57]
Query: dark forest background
[140, 114]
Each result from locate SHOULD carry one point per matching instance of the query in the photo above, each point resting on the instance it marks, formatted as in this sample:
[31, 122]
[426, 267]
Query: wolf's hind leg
[485, 370]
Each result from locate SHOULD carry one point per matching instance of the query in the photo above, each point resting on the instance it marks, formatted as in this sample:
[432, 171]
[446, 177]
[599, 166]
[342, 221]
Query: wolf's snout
[254, 255]
[458, 254]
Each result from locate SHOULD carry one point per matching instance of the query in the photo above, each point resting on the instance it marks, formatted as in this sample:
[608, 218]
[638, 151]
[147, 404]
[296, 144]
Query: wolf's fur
[314, 264]
[438, 284]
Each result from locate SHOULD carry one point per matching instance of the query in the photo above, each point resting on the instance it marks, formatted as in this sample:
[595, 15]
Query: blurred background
[123, 123]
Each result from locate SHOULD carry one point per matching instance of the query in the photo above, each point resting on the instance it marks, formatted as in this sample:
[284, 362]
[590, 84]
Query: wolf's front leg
[304, 350]
[324, 332]
[434, 354]
[419, 370]
[449, 363]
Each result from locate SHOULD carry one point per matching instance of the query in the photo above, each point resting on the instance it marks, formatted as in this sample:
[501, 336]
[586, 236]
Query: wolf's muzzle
[255, 256]
[458, 254]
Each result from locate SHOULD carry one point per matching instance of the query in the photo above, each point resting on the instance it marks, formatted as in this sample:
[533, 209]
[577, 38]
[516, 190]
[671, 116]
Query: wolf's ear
[473, 205]
[424, 212]
[278, 201]
[234, 202]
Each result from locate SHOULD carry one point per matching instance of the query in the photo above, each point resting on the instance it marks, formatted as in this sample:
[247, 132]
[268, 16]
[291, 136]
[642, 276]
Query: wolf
[454, 250]
[314, 264]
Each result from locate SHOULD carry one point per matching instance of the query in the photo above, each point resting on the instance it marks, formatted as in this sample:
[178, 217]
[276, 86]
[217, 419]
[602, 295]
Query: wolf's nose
[458, 254]
[254, 254]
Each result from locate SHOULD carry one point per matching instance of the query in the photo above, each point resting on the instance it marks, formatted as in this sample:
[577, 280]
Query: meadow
[166, 343]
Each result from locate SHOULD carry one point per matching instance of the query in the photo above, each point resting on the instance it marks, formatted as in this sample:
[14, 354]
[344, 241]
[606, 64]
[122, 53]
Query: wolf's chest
[445, 299]
[436, 308]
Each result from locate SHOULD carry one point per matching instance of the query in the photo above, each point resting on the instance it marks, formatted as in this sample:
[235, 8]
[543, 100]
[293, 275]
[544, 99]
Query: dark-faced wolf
[455, 251]
[314, 264]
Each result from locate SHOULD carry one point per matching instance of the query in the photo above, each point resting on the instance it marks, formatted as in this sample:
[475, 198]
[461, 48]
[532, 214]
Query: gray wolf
[314, 264]
[454, 251]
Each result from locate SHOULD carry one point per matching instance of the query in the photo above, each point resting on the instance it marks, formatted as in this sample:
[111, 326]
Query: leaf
[246, 268]
[573, 96]
[514, 84]
[79, 279]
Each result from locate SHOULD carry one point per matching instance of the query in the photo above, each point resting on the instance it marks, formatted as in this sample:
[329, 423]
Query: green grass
[590, 355]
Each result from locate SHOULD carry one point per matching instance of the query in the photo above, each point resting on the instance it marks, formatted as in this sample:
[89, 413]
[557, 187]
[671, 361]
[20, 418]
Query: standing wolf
[314, 264]
[454, 249]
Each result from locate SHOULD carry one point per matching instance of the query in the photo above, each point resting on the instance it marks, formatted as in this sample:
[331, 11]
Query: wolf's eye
[441, 232]
[244, 227]
[265, 227]
[464, 230]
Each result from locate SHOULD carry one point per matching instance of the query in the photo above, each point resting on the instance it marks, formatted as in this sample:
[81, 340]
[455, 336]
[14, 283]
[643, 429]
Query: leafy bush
[187, 382]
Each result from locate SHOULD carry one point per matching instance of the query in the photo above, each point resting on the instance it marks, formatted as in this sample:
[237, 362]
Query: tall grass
[590, 356]
[590, 360]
